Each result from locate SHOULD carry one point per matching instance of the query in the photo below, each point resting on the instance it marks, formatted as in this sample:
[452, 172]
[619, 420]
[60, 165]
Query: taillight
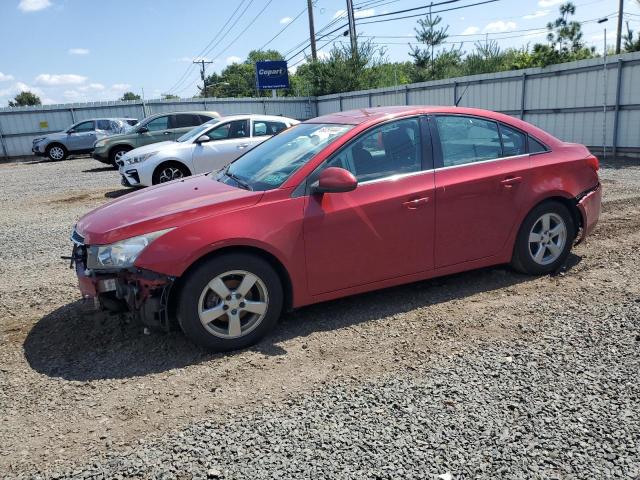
[593, 162]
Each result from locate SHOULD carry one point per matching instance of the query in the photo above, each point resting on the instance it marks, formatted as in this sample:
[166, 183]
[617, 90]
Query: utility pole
[352, 28]
[202, 63]
[619, 35]
[312, 31]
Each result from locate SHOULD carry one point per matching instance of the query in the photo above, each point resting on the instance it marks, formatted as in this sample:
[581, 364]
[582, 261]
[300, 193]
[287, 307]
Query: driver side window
[157, 124]
[390, 149]
[235, 129]
[84, 127]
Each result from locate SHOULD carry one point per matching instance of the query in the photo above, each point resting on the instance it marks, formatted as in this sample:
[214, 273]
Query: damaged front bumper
[141, 293]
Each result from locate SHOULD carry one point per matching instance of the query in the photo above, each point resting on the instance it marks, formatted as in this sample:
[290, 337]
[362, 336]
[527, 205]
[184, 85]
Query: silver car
[79, 137]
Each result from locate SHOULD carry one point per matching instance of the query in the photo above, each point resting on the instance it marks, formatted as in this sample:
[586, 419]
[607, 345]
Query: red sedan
[338, 205]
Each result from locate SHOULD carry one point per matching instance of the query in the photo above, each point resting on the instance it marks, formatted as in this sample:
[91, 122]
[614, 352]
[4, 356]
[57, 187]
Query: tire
[204, 315]
[544, 240]
[167, 171]
[57, 152]
[116, 152]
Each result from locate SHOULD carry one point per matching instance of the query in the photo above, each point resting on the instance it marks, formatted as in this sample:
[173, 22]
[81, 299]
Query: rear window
[536, 147]
[182, 120]
[513, 142]
[104, 125]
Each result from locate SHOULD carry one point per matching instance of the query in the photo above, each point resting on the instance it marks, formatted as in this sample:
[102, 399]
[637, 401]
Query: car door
[181, 123]
[384, 228]
[482, 176]
[228, 141]
[82, 136]
[158, 131]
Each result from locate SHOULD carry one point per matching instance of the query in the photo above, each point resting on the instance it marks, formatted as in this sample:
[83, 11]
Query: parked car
[208, 147]
[78, 138]
[338, 205]
[156, 128]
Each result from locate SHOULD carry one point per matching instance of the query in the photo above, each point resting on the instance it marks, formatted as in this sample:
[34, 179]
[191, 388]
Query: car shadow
[99, 169]
[75, 343]
[121, 192]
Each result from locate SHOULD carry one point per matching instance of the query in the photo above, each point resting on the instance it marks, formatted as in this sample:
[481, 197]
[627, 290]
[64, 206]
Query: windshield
[269, 164]
[195, 132]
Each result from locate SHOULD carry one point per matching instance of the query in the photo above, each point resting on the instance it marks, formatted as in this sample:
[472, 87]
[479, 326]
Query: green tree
[130, 96]
[24, 99]
[563, 33]
[631, 43]
[432, 35]
[168, 96]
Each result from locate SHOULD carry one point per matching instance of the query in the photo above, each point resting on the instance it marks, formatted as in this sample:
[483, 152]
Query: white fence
[579, 102]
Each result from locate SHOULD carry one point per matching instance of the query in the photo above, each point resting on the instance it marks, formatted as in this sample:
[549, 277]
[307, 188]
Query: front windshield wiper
[240, 182]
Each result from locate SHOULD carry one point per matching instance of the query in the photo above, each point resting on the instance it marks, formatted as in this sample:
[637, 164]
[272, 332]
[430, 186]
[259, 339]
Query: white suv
[208, 147]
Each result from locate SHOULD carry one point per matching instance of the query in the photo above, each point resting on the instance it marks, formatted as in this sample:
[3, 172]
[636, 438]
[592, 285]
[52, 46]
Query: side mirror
[71, 131]
[143, 129]
[334, 180]
[203, 139]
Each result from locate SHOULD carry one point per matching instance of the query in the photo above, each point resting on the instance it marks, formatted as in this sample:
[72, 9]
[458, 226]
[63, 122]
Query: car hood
[161, 146]
[57, 136]
[163, 206]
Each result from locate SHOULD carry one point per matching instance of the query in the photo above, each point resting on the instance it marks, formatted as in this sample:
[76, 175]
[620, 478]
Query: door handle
[415, 203]
[166, 133]
[244, 145]
[511, 181]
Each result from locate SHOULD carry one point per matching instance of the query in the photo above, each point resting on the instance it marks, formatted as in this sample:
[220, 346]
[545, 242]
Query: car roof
[192, 112]
[372, 116]
[256, 116]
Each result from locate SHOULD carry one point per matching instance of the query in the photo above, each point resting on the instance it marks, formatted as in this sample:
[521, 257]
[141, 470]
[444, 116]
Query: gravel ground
[486, 374]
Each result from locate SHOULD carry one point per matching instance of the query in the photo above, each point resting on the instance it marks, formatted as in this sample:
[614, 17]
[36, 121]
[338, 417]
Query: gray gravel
[486, 374]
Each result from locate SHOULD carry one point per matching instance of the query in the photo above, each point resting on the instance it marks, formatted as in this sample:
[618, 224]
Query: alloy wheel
[170, 173]
[57, 153]
[547, 238]
[119, 154]
[233, 304]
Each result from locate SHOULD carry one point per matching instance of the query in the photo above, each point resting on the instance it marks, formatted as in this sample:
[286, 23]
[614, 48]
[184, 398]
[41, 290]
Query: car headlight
[121, 254]
[138, 158]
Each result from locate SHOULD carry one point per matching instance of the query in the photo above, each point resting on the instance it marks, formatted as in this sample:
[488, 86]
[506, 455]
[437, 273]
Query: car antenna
[462, 95]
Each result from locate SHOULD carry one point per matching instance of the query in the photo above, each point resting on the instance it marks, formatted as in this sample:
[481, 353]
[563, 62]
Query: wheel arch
[112, 148]
[171, 160]
[273, 260]
[565, 199]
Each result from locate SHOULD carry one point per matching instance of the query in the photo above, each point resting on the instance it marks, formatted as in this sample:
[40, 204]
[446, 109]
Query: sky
[69, 51]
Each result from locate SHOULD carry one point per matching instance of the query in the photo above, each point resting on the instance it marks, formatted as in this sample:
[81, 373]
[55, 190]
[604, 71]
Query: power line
[421, 14]
[283, 29]
[190, 67]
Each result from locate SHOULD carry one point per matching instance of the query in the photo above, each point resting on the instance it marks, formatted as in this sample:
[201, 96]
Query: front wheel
[544, 240]
[56, 152]
[169, 171]
[230, 302]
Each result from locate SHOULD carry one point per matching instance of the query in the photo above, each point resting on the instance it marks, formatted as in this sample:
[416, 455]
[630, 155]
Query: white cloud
[19, 87]
[233, 59]
[63, 79]
[5, 77]
[120, 87]
[78, 51]
[537, 14]
[499, 26]
[470, 30]
[548, 3]
[33, 5]
[92, 87]
[285, 20]
[358, 13]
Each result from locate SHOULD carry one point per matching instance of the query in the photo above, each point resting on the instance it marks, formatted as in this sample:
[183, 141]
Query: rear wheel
[230, 302]
[168, 171]
[56, 152]
[545, 239]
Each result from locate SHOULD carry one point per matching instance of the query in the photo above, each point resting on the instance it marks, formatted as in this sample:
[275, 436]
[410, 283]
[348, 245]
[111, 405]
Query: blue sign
[272, 74]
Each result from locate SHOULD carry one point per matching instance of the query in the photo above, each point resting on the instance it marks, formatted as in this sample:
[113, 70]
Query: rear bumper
[590, 205]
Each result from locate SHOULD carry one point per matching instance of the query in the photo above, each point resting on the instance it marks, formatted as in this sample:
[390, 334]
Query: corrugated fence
[567, 100]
